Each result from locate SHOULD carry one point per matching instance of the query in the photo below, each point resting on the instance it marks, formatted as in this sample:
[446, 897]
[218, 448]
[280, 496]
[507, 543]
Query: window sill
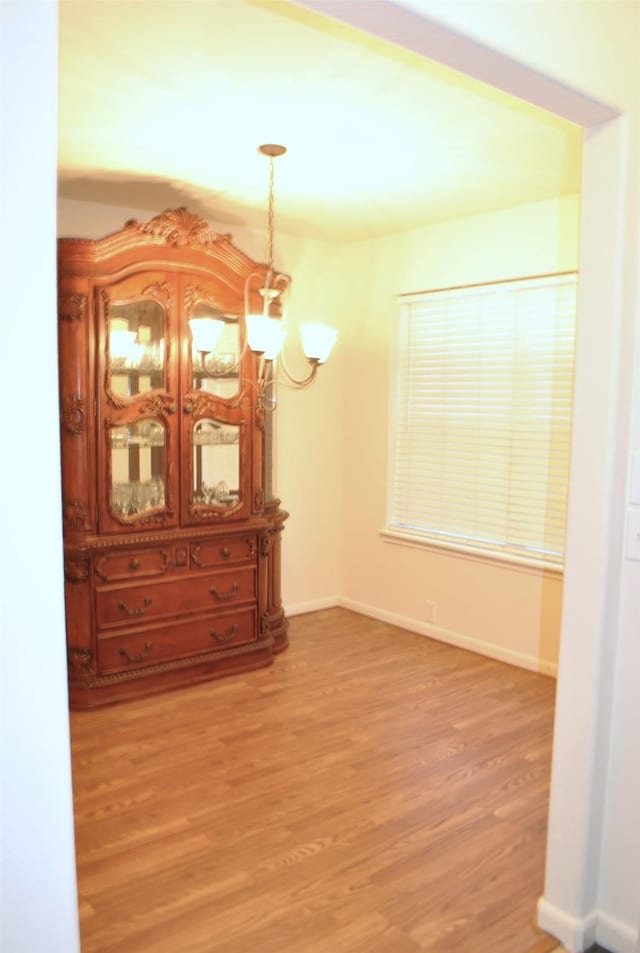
[475, 554]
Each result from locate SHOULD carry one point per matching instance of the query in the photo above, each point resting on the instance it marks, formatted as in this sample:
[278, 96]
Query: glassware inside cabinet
[216, 463]
[137, 468]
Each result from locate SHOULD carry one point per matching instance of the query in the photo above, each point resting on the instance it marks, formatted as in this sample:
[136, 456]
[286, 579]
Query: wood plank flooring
[372, 792]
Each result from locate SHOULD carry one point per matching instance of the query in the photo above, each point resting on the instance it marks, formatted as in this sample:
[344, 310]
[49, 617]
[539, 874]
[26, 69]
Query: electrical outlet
[430, 611]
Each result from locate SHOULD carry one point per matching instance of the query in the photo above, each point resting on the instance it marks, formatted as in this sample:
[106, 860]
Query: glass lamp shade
[122, 343]
[317, 341]
[205, 333]
[136, 355]
[265, 335]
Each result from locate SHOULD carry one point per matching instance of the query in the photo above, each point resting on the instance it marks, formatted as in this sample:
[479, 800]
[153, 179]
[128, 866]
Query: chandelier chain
[271, 216]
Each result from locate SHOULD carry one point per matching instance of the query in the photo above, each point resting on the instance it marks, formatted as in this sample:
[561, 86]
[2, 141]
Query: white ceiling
[164, 102]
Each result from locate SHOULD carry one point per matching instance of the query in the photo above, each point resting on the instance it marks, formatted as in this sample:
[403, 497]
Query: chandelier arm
[299, 382]
[245, 341]
[283, 282]
[264, 287]
[227, 370]
[244, 346]
[274, 383]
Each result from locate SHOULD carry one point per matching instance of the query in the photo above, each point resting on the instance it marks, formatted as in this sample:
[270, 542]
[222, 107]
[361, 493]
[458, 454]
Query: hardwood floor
[372, 792]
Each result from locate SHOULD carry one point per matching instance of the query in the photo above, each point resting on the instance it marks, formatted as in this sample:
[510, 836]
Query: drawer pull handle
[137, 658]
[226, 552]
[135, 564]
[225, 595]
[132, 612]
[225, 638]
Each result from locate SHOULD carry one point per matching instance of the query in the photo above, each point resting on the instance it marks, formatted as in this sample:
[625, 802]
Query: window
[481, 417]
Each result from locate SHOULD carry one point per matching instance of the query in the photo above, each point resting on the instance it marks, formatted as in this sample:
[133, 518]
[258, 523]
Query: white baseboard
[575, 934]
[615, 935]
[530, 662]
[578, 934]
[314, 605]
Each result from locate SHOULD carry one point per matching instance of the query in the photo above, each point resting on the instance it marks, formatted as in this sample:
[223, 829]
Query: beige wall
[507, 611]
[331, 464]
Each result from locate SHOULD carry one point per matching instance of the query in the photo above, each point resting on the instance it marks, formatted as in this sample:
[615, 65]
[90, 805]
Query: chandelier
[266, 330]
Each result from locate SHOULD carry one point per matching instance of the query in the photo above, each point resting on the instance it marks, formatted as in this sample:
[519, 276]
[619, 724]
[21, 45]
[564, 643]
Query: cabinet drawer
[124, 605]
[192, 637]
[134, 563]
[216, 553]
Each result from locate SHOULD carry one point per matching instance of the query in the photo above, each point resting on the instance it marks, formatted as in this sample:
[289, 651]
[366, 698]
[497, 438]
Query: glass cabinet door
[215, 371]
[138, 468]
[139, 402]
[216, 463]
[136, 348]
[217, 437]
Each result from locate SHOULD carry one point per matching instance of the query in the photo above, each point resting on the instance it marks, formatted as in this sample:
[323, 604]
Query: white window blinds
[481, 422]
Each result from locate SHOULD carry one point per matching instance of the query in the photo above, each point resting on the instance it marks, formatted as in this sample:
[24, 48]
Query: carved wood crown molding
[160, 291]
[194, 295]
[179, 227]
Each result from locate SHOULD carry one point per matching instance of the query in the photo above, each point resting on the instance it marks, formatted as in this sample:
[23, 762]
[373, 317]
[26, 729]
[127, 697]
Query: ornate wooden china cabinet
[171, 530]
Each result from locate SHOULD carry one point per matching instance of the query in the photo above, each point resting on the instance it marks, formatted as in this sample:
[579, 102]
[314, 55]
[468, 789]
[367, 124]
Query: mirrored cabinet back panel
[172, 533]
